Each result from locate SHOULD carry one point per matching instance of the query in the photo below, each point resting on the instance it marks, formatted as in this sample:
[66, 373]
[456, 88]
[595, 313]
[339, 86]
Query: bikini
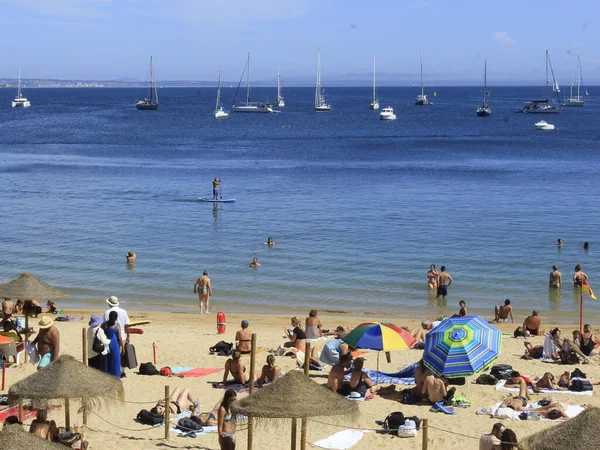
[586, 348]
[228, 418]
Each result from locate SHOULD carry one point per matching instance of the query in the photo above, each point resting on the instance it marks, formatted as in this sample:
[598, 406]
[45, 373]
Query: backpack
[394, 420]
[408, 396]
[222, 348]
[501, 371]
[581, 386]
[186, 425]
[578, 374]
[148, 369]
[457, 381]
[147, 418]
[485, 378]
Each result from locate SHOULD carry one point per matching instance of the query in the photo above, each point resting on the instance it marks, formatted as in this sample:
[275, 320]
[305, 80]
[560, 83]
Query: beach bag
[581, 386]
[457, 381]
[501, 371]
[416, 420]
[408, 396]
[129, 359]
[32, 352]
[394, 420]
[20, 323]
[409, 429]
[222, 348]
[97, 345]
[578, 374]
[186, 424]
[148, 369]
[488, 379]
[568, 357]
[165, 372]
[147, 418]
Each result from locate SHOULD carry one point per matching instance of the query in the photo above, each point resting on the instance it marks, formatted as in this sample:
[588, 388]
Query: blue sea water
[359, 208]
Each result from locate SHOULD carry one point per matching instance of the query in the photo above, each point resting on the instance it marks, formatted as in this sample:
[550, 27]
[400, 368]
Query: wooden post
[251, 384]
[304, 420]
[307, 359]
[3, 373]
[154, 352]
[26, 355]
[167, 411]
[67, 415]
[425, 433]
[388, 357]
[84, 345]
[294, 428]
[20, 410]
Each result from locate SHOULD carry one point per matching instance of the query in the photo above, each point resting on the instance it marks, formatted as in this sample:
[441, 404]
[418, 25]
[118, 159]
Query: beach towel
[205, 430]
[571, 411]
[27, 413]
[385, 378]
[360, 399]
[195, 372]
[68, 319]
[358, 353]
[237, 387]
[500, 387]
[548, 347]
[340, 440]
[440, 407]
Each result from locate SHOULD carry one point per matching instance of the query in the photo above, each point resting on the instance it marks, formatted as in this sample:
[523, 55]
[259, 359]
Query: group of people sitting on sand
[556, 347]
[235, 367]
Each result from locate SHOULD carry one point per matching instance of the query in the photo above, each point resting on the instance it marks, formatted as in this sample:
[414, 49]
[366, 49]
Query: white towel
[340, 440]
[500, 387]
[548, 347]
[571, 411]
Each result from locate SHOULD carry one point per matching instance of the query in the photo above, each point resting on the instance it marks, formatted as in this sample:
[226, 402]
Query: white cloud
[503, 38]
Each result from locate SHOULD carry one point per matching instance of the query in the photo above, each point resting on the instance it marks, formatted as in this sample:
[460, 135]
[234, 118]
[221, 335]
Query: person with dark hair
[491, 441]
[462, 311]
[432, 276]
[130, 257]
[112, 361]
[226, 421]
[555, 281]
[12, 420]
[335, 380]
[586, 245]
[270, 242]
[180, 400]
[559, 243]
[32, 308]
[502, 312]
[509, 440]
[579, 276]
[361, 383]
[588, 342]
[533, 324]
[243, 339]
[203, 287]
[444, 280]
[236, 367]
[313, 325]
[216, 187]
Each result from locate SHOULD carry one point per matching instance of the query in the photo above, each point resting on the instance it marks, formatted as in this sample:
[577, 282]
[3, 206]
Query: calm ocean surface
[359, 208]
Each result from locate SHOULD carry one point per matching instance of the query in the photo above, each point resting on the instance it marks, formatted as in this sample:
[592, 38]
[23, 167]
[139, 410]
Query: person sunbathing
[52, 307]
[236, 367]
[547, 381]
[44, 428]
[518, 402]
[515, 380]
[361, 383]
[181, 400]
[270, 372]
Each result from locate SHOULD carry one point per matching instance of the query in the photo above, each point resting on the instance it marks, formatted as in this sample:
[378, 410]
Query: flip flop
[446, 410]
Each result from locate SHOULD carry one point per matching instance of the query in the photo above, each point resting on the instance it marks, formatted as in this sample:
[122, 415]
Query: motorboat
[543, 125]
[387, 114]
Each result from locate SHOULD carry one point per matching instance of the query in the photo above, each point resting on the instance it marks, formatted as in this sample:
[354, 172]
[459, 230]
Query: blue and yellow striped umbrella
[461, 346]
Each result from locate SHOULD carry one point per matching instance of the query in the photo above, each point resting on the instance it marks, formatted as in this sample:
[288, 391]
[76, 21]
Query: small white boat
[543, 125]
[387, 114]
[20, 101]
[374, 102]
[220, 112]
[320, 104]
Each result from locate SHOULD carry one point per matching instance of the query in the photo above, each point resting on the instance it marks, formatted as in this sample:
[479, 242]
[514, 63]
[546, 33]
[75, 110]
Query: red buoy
[221, 323]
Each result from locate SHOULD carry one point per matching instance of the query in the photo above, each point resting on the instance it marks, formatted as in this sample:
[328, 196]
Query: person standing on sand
[216, 186]
[432, 276]
[444, 280]
[203, 287]
[579, 276]
[502, 312]
[47, 341]
[555, 278]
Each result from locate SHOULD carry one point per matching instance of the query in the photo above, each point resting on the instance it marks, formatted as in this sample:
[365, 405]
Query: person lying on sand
[518, 402]
[181, 400]
[547, 381]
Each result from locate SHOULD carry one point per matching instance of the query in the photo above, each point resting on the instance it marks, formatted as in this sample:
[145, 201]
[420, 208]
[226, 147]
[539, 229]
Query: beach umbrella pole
[294, 432]
[167, 411]
[26, 355]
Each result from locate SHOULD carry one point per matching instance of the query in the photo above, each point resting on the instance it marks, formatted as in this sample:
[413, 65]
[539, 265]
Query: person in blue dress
[112, 331]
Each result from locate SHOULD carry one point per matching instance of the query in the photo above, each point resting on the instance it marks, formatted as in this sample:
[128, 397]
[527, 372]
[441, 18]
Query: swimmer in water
[270, 242]
[254, 263]
[560, 243]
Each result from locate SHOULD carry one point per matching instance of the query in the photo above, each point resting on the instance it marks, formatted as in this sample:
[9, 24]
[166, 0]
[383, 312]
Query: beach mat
[358, 353]
[205, 430]
[199, 372]
[27, 413]
[237, 387]
[340, 440]
[385, 379]
[571, 411]
[500, 387]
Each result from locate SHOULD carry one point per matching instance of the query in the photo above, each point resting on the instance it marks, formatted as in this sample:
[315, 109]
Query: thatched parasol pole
[425, 434]
[26, 355]
[21, 410]
[167, 411]
[3, 374]
[294, 428]
[304, 420]
[84, 345]
[251, 381]
[67, 415]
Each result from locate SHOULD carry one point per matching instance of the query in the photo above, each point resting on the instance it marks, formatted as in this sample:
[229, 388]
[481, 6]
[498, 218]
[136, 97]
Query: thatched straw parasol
[27, 286]
[579, 432]
[294, 396]
[67, 379]
[14, 437]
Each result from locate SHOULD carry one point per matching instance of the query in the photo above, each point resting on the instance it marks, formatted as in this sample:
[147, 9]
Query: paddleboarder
[216, 186]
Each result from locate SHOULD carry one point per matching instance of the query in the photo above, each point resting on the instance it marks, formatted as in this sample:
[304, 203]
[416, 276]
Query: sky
[189, 39]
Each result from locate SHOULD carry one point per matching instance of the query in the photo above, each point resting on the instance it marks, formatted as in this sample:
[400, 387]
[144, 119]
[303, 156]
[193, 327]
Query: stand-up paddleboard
[222, 200]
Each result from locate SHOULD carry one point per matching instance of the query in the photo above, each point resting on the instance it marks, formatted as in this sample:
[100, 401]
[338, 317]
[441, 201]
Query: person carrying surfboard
[216, 186]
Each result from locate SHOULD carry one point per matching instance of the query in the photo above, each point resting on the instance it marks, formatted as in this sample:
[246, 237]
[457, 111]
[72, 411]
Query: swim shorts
[442, 290]
[45, 359]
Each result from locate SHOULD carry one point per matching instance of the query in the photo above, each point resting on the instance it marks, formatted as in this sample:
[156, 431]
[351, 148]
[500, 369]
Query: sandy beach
[184, 340]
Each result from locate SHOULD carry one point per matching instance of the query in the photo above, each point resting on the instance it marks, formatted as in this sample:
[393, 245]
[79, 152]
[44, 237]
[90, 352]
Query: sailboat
[374, 102]
[544, 106]
[220, 112]
[578, 100]
[421, 98]
[484, 110]
[20, 101]
[280, 100]
[149, 104]
[249, 106]
[320, 104]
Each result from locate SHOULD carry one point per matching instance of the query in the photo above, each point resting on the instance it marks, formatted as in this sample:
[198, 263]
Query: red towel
[200, 372]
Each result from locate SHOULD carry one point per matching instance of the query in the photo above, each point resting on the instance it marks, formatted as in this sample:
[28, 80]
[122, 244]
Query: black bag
[578, 374]
[129, 359]
[485, 378]
[568, 357]
[409, 397]
[148, 369]
[457, 381]
[394, 420]
[222, 348]
[501, 371]
[581, 386]
[147, 418]
[97, 345]
[186, 425]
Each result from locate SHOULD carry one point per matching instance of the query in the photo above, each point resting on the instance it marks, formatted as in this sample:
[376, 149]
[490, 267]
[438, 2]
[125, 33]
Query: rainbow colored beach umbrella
[461, 346]
[379, 336]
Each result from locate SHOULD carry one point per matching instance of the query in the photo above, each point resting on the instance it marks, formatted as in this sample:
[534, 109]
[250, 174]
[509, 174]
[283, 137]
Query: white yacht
[320, 104]
[20, 101]
[544, 106]
[577, 100]
[250, 106]
[543, 125]
[387, 114]
[280, 100]
[374, 102]
[421, 99]
[220, 112]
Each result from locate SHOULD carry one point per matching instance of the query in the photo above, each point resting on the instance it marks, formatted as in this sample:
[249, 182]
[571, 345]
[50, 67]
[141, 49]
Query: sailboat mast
[218, 91]
[373, 78]
[278, 85]
[484, 82]
[19, 85]
[578, 76]
[422, 88]
[571, 81]
[318, 84]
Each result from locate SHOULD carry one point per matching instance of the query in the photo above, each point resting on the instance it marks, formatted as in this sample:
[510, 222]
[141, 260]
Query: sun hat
[45, 322]
[112, 301]
[95, 320]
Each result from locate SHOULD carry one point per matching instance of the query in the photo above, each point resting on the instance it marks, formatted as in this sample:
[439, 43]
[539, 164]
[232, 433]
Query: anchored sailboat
[280, 100]
[484, 110]
[220, 112]
[577, 100]
[374, 102]
[544, 106]
[421, 99]
[20, 101]
[250, 106]
[149, 104]
[320, 104]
